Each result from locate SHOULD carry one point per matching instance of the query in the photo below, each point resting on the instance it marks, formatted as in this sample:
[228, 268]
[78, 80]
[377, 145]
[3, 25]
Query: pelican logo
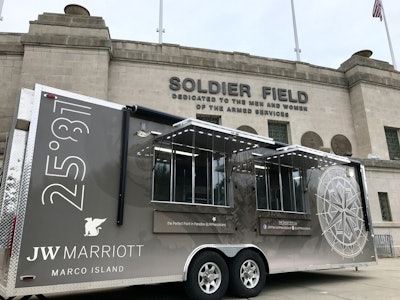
[92, 226]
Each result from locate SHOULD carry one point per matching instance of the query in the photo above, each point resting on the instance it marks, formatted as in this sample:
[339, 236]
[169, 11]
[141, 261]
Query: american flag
[377, 10]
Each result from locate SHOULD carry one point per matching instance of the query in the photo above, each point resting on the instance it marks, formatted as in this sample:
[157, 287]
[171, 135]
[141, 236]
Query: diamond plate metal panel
[9, 193]
[10, 186]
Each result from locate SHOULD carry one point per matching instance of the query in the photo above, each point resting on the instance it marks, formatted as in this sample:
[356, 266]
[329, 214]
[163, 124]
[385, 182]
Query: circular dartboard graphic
[340, 211]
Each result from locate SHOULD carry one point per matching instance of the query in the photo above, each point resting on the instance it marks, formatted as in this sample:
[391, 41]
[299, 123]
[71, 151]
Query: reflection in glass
[183, 178]
[261, 186]
[279, 188]
[218, 166]
[196, 176]
[162, 176]
[298, 190]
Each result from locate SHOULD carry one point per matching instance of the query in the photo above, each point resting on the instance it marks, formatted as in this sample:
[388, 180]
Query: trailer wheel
[247, 274]
[207, 277]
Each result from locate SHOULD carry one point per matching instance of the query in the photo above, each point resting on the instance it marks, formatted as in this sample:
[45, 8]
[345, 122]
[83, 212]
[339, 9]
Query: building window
[279, 188]
[278, 131]
[209, 118]
[247, 128]
[392, 140]
[187, 175]
[385, 207]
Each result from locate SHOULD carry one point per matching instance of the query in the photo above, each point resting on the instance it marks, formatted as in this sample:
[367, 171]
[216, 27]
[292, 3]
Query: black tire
[247, 274]
[207, 277]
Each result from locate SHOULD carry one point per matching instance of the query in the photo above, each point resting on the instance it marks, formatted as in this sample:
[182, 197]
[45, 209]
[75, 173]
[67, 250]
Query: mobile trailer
[96, 194]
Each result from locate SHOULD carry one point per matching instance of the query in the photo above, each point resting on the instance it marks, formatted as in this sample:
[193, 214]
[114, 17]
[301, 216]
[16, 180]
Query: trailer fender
[227, 250]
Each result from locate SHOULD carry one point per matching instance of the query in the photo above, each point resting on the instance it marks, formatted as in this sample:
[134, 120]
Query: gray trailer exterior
[96, 194]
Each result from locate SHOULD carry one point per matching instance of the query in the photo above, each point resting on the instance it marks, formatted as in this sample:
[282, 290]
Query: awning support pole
[124, 160]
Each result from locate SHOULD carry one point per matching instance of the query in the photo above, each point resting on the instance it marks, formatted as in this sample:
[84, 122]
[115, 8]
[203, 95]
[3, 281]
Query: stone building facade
[352, 110]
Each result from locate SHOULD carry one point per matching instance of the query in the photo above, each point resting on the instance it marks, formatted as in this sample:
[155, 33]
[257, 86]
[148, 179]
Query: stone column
[67, 51]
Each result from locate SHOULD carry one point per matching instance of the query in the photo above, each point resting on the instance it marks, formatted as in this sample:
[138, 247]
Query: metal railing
[384, 245]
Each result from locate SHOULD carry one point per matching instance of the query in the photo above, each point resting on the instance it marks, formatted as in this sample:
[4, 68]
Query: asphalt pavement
[381, 281]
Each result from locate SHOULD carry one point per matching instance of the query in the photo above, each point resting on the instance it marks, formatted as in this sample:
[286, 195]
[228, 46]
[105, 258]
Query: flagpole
[388, 37]
[160, 23]
[1, 9]
[297, 49]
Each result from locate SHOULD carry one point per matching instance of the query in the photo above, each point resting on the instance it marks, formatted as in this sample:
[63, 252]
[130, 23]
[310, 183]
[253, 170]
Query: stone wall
[77, 54]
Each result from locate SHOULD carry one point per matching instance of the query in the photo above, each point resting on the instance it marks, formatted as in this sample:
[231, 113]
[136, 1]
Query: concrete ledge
[357, 60]
[16, 49]
[70, 20]
[168, 54]
[373, 79]
[359, 69]
[386, 224]
[3, 136]
[379, 163]
[10, 43]
[69, 41]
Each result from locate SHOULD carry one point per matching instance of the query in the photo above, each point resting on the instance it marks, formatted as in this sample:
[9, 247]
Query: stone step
[2, 148]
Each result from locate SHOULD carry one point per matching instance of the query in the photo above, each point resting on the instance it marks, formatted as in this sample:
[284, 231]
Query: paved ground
[376, 282]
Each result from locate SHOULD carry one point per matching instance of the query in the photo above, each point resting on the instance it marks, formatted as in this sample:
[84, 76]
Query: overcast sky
[329, 31]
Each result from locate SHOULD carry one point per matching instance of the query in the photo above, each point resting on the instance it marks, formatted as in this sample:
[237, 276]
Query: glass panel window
[392, 140]
[274, 187]
[218, 168]
[183, 177]
[298, 190]
[203, 178]
[162, 175]
[278, 131]
[279, 188]
[385, 206]
[188, 175]
[261, 186]
[287, 189]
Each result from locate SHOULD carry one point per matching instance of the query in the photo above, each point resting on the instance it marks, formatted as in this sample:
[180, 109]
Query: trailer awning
[203, 135]
[303, 157]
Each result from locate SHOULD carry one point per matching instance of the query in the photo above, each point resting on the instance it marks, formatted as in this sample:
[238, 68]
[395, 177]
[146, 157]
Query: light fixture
[256, 154]
[167, 150]
[260, 167]
[349, 172]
